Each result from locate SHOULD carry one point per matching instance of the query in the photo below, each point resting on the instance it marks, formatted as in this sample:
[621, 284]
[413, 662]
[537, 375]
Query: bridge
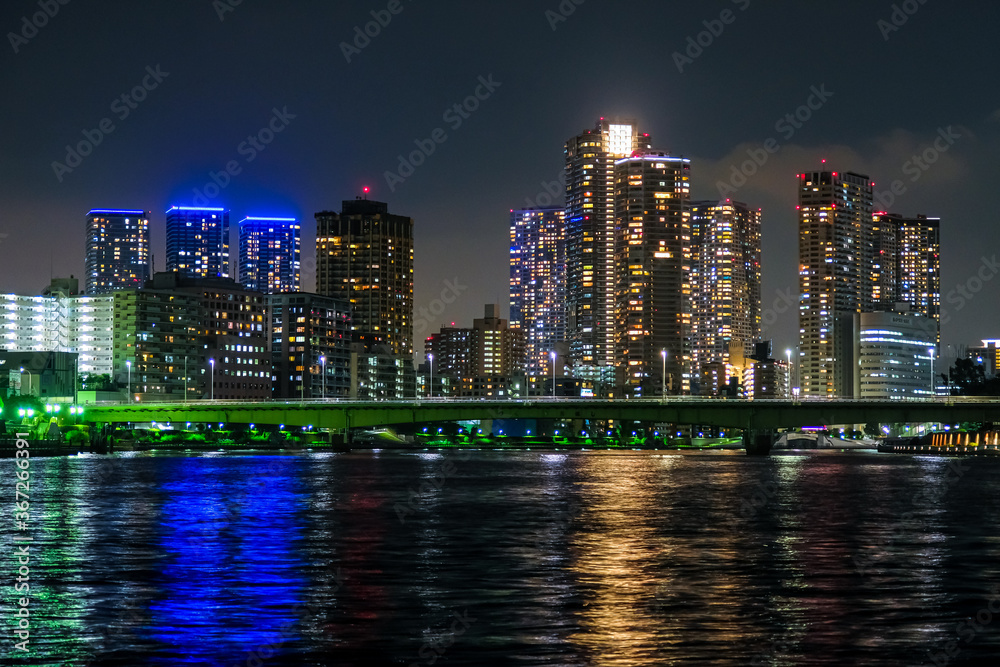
[759, 419]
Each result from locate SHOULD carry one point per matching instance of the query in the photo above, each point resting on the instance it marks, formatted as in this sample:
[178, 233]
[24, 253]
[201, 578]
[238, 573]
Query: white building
[897, 355]
[60, 324]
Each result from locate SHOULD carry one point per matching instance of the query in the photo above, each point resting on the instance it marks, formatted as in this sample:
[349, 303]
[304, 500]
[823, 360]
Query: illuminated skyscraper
[907, 259]
[364, 255]
[653, 262]
[837, 278]
[538, 283]
[590, 244]
[198, 242]
[117, 250]
[725, 280]
[269, 254]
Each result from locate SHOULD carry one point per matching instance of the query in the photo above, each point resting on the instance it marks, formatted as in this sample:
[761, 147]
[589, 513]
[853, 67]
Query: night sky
[222, 74]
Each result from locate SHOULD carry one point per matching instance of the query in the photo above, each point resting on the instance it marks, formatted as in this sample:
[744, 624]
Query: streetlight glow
[553, 355]
[211, 395]
[322, 361]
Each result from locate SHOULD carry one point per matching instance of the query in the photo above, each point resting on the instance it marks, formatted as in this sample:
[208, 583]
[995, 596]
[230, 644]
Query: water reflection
[579, 558]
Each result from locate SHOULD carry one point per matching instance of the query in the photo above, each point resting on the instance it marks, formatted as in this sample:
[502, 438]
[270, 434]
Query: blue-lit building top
[198, 242]
[117, 250]
[270, 250]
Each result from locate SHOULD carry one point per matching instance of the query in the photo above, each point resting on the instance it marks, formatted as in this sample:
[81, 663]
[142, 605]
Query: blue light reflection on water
[232, 547]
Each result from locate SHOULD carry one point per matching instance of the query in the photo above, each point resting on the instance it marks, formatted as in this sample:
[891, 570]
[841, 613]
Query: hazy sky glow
[266, 88]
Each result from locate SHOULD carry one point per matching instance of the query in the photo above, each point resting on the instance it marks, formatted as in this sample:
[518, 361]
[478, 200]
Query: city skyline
[935, 140]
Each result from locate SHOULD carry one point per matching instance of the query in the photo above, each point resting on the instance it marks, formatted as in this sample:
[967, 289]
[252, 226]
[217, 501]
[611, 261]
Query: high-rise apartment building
[538, 283]
[482, 361]
[653, 264]
[270, 254]
[197, 338]
[117, 250]
[590, 243]
[364, 255]
[725, 280]
[310, 346]
[907, 264]
[837, 279]
[80, 324]
[198, 242]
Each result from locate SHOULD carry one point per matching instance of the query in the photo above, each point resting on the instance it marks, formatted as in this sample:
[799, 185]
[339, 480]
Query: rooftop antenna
[366, 190]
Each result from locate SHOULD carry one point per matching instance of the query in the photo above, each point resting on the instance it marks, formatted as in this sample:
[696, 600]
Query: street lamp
[128, 365]
[553, 355]
[211, 395]
[663, 353]
[322, 361]
[788, 355]
[430, 384]
[930, 353]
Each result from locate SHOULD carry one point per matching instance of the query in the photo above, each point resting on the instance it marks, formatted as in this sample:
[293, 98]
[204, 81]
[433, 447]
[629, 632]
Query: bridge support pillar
[758, 442]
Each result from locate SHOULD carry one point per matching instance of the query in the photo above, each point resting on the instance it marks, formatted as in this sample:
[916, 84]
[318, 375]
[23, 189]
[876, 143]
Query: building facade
[270, 250]
[908, 263]
[836, 278]
[652, 260]
[590, 244]
[198, 242]
[76, 324]
[310, 341]
[725, 280]
[538, 283]
[484, 361]
[118, 254]
[51, 376]
[364, 255]
[181, 338]
[896, 356]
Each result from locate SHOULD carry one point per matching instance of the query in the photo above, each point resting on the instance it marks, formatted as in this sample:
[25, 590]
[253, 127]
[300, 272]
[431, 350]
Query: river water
[506, 558]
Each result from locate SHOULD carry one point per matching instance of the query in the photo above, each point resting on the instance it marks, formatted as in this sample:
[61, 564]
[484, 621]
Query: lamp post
[322, 361]
[128, 365]
[663, 390]
[930, 353]
[302, 384]
[211, 395]
[553, 355]
[430, 383]
[788, 355]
